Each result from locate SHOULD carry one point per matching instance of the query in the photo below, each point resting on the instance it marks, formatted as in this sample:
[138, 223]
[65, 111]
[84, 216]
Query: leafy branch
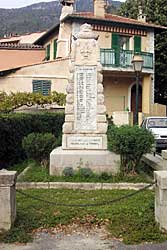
[8, 103]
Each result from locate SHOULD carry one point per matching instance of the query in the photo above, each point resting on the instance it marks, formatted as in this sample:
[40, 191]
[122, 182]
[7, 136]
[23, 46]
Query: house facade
[119, 40]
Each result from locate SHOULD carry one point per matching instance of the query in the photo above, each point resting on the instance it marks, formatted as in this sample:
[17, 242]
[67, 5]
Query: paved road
[79, 241]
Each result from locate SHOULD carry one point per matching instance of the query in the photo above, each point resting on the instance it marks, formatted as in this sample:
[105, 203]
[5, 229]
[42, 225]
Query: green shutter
[127, 43]
[46, 87]
[137, 43]
[37, 86]
[48, 52]
[41, 86]
[116, 47]
[55, 49]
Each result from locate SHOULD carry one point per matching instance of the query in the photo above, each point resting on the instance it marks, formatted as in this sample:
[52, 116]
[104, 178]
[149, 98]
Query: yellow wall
[116, 93]
[146, 94]
[158, 110]
[104, 39]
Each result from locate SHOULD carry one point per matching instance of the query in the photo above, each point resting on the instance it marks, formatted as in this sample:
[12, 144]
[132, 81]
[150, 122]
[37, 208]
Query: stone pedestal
[164, 156]
[161, 199]
[85, 127]
[7, 199]
[97, 160]
[122, 118]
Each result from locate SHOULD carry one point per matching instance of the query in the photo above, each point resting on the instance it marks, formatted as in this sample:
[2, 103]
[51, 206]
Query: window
[54, 49]
[116, 47]
[119, 43]
[41, 86]
[48, 52]
[124, 42]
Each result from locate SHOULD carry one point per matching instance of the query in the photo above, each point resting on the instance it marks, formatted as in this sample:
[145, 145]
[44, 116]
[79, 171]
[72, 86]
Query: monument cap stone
[7, 178]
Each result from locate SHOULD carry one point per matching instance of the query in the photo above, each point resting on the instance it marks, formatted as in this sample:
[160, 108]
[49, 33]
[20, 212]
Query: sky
[22, 3]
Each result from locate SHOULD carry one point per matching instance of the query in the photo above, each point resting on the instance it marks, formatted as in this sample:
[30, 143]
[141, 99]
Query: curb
[84, 186]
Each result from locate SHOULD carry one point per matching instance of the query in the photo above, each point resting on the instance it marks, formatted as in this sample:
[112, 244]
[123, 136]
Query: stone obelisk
[84, 131]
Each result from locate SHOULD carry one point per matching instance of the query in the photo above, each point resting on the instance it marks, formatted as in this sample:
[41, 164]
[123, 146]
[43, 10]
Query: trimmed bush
[105, 176]
[38, 146]
[131, 143]
[85, 172]
[68, 172]
[14, 127]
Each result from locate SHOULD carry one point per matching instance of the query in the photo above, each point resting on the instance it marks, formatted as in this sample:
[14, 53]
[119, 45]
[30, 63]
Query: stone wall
[161, 199]
[8, 199]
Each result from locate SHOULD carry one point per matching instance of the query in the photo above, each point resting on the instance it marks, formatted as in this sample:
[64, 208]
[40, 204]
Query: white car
[158, 126]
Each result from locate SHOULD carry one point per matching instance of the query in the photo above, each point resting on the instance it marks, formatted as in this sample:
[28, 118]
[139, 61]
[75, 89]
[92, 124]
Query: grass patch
[20, 166]
[36, 173]
[131, 220]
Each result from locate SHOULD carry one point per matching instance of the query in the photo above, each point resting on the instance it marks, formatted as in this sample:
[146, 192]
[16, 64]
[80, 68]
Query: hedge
[13, 127]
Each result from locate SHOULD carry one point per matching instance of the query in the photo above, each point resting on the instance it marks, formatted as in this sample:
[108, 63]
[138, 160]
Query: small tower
[141, 17]
[67, 9]
[63, 43]
[99, 7]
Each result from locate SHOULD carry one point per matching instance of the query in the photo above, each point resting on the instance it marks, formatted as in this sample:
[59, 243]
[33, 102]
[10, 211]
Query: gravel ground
[95, 240]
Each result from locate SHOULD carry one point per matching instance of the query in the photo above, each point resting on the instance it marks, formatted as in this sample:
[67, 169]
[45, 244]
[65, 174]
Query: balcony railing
[123, 58]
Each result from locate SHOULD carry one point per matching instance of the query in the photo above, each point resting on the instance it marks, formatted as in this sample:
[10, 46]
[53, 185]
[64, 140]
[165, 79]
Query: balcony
[111, 58]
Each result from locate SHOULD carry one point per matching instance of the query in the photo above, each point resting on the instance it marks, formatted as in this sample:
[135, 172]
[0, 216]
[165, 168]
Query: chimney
[67, 9]
[99, 8]
[141, 17]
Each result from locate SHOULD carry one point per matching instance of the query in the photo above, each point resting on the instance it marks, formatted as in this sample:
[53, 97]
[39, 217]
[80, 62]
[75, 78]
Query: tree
[9, 103]
[161, 68]
[156, 11]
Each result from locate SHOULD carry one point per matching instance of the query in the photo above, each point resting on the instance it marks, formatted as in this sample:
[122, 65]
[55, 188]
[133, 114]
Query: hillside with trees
[41, 16]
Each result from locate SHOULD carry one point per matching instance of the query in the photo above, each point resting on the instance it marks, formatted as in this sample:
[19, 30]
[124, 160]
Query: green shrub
[38, 146]
[14, 127]
[105, 176]
[85, 172]
[68, 172]
[131, 143]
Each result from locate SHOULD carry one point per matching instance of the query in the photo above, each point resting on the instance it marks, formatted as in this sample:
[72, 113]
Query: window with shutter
[137, 43]
[55, 49]
[41, 86]
[48, 52]
[116, 47]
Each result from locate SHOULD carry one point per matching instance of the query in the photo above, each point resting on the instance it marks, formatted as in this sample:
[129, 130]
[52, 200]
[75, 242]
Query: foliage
[131, 143]
[38, 146]
[85, 172]
[156, 11]
[14, 127]
[9, 103]
[161, 69]
[36, 173]
[131, 220]
[68, 172]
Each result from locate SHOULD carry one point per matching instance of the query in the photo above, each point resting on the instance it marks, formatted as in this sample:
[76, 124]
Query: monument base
[97, 160]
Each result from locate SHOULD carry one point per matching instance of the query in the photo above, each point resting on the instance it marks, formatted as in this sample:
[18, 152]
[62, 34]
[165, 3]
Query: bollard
[161, 199]
[164, 156]
[7, 199]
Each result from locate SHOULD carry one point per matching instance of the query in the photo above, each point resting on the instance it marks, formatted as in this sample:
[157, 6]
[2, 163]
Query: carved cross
[86, 51]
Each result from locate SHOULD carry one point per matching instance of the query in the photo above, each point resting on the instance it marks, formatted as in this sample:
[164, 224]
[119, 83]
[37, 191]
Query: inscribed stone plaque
[85, 98]
[86, 142]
